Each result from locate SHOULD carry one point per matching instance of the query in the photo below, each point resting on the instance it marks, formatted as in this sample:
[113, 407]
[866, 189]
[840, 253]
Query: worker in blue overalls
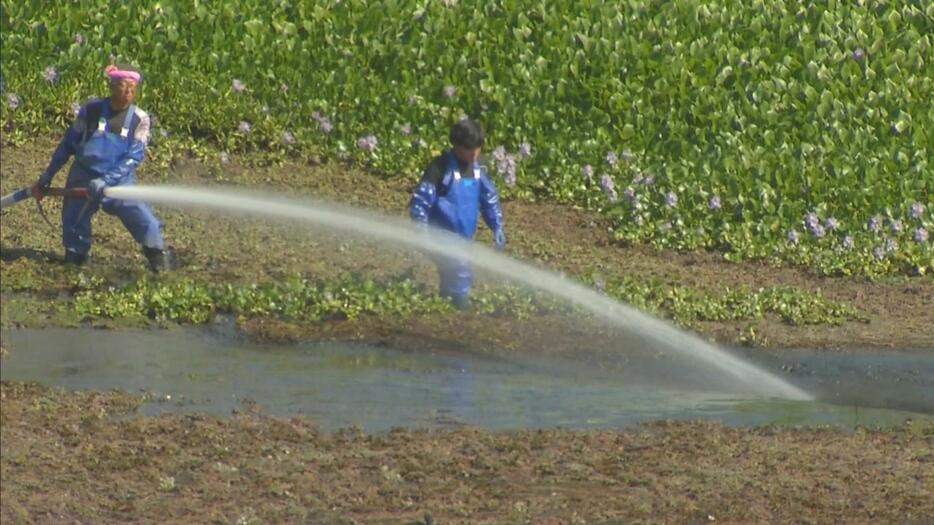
[452, 190]
[108, 140]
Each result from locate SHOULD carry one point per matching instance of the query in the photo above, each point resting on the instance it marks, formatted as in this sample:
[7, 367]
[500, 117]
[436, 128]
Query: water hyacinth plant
[50, 74]
[367, 143]
[12, 101]
[776, 110]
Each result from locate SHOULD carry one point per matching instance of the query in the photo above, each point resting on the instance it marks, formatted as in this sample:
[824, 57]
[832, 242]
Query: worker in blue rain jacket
[108, 140]
[453, 190]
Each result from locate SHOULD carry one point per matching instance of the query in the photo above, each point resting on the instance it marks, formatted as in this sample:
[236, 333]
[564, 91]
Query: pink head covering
[115, 73]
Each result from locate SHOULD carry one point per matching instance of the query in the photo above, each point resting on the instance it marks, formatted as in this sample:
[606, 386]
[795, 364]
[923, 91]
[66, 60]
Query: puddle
[377, 388]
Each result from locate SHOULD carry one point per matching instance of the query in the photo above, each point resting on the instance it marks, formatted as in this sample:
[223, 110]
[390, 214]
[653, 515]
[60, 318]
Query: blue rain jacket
[451, 200]
[97, 151]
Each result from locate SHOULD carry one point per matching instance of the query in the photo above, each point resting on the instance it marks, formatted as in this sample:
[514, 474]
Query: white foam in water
[394, 230]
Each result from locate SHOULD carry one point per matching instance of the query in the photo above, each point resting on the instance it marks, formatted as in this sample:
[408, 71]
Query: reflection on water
[377, 388]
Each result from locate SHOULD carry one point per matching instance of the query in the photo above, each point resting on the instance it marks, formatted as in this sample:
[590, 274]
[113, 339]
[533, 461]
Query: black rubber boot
[159, 260]
[78, 259]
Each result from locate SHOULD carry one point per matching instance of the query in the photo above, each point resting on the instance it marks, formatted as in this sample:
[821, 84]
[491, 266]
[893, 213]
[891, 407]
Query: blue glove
[96, 188]
[500, 238]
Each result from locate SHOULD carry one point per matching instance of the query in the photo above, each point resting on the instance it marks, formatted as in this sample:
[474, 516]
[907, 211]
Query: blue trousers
[455, 275]
[137, 217]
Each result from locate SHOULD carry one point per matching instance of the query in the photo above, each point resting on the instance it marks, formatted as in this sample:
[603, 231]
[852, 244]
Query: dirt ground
[73, 458]
[85, 457]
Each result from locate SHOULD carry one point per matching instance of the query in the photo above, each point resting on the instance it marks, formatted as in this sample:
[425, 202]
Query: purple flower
[405, 129]
[75, 109]
[890, 244]
[649, 180]
[367, 143]
[792, 236]
[12, 101]
[506, 166]
[499, 154]
[713, 202]
[525, 149]
[831, 223]
[671, 199]
[847, 242]
[50, 74]
[244, 126]
[895, 225]
[325, 125]
[79, 39]
[587, 172]
[238, 85]
[638, 178]
[287, 138]
[450, 91]
[629, 193]
[811, 220]
[917, 210]
[510, 179]
[316, 116]
[878, 253]
[606, 182]
[817, 231]
[921, 235]
[223, 157]
[875, 223]
[858, 53]
[611, 158]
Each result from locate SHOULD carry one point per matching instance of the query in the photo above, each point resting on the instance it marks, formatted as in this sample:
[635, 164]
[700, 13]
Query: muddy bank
[897, 311]
[76, 456]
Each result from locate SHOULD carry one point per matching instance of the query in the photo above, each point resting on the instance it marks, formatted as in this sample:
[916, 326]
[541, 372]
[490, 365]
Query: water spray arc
[365, 223]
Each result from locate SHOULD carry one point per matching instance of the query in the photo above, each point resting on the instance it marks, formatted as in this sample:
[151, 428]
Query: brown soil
[74, 458]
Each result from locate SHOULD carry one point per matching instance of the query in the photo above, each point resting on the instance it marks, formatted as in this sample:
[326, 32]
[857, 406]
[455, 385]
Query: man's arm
[426, 194]
[489, 204]
[66, 148]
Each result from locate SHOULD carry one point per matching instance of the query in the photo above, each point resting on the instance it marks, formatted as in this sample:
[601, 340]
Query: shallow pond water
[378, 387]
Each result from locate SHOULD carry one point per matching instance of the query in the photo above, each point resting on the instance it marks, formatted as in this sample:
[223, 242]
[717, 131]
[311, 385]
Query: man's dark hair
[467, 134]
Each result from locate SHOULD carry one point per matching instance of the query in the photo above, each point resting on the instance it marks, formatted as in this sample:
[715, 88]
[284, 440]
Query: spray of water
[389, 229]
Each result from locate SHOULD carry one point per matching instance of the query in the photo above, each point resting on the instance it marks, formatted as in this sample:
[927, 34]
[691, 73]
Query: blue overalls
[456, 211]
[112, 157]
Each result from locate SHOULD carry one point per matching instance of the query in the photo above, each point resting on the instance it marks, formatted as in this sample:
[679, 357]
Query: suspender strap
[105, 112]
[127, 120]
